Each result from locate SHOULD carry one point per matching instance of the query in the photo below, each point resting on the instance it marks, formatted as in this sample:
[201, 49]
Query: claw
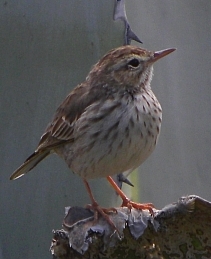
[97, 209]
[127, 202]
[140, 206]
[104, 213]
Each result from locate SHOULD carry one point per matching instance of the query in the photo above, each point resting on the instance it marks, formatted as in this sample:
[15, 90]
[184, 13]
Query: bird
[107, 125]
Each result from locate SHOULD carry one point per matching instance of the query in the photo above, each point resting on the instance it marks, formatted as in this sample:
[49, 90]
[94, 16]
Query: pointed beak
[160, 54]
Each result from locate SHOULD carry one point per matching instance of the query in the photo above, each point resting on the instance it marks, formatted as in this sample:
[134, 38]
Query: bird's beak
[160, 54]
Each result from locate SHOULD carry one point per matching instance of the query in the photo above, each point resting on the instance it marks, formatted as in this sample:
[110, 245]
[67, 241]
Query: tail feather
[29, 164]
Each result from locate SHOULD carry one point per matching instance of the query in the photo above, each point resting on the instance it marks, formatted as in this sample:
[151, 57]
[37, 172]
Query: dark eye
[134, 62]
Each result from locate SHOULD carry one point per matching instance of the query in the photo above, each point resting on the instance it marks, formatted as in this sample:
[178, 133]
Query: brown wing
[60, 130]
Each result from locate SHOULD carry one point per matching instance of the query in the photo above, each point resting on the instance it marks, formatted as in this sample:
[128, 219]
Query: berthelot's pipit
[107, 125]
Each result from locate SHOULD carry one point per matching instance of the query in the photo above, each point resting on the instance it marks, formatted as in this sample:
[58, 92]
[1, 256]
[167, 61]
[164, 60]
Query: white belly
[119, 141]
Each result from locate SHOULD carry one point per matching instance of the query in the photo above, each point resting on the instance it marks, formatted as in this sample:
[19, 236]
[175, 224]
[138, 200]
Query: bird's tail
[29, 164]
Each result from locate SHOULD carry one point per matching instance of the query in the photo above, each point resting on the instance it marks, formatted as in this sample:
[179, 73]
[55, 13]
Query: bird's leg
[127, 202]
[97, 209]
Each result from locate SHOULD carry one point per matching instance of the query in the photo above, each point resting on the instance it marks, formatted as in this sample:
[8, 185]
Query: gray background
[48, 47]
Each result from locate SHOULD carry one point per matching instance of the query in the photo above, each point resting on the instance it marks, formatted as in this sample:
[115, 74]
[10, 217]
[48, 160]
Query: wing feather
[60, 130]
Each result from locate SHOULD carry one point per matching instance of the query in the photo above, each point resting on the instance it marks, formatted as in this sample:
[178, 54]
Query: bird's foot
[104, 212]
[127, 202]
[99, 210]
[140, 206]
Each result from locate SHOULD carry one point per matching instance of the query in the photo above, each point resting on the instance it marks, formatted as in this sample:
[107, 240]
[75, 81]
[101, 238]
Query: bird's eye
[134, 63]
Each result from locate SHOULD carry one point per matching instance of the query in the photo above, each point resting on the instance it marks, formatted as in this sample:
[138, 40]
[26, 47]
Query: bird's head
[128, 65]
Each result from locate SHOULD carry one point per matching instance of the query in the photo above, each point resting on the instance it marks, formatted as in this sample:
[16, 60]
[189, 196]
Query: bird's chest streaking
[114, 136]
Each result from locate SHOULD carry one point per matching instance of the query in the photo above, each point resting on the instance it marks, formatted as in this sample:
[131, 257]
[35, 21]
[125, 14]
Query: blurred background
[46, 49]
